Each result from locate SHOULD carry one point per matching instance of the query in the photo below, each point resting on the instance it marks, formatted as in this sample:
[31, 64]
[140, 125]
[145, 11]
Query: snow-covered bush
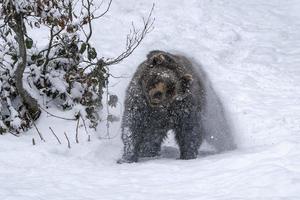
[13, 114]
[67, 71]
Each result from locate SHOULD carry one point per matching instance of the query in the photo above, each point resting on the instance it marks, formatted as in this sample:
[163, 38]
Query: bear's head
[164, 81]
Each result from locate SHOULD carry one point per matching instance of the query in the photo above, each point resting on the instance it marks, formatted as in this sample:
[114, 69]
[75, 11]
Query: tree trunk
[29, 102]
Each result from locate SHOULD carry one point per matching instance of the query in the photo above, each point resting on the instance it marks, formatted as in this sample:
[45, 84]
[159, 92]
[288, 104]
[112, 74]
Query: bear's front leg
[188, 136]
[150, 145]
[131, 146]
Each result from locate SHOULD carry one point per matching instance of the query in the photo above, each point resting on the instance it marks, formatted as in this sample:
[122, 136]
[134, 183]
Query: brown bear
[164, 94]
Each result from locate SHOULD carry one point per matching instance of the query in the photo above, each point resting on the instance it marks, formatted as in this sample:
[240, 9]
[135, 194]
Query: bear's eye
[170, 92]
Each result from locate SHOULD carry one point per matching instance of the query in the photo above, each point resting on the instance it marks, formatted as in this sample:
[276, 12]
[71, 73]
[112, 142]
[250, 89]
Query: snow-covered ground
[250, 52]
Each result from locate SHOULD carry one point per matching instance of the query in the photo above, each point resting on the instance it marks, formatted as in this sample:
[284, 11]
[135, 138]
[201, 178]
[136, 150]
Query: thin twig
[72, 119]
[85, 128]
[54, 135]
[134, 38]
[77, 126]
[83, 121]
[89, 19]
[36, 128]
[107, 109]
[16, 135]
[107, 9]
[118, 76]
[69, 145]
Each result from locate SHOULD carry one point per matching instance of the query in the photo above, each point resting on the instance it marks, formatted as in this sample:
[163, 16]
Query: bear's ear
[187, 78]
[154, 52]
[159, 58]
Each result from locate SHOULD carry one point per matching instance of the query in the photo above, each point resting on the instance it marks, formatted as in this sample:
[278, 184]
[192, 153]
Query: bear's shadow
[170, 152]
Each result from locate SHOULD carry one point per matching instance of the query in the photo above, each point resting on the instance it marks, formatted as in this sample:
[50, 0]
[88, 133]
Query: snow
[249, 51]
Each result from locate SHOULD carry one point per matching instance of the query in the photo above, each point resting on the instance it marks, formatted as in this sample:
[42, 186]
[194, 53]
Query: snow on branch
[68, 71]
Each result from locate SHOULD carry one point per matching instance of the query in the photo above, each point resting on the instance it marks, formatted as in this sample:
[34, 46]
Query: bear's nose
[157, 95]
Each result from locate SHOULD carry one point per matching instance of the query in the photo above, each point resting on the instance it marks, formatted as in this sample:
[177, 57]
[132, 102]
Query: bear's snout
[158, 94]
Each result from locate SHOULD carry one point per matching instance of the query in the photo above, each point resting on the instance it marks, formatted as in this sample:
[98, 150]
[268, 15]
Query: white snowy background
[250, 50]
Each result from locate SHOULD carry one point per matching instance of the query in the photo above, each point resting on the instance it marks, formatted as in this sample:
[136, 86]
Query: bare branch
[107, 110]
[89, 19]
[83, 121]
[77, 126]
[107, 9]
[54, 135]
[134, 38]
[50, 46]
[16, 135]
[69, 145]
[36, 128]
[72, 119]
